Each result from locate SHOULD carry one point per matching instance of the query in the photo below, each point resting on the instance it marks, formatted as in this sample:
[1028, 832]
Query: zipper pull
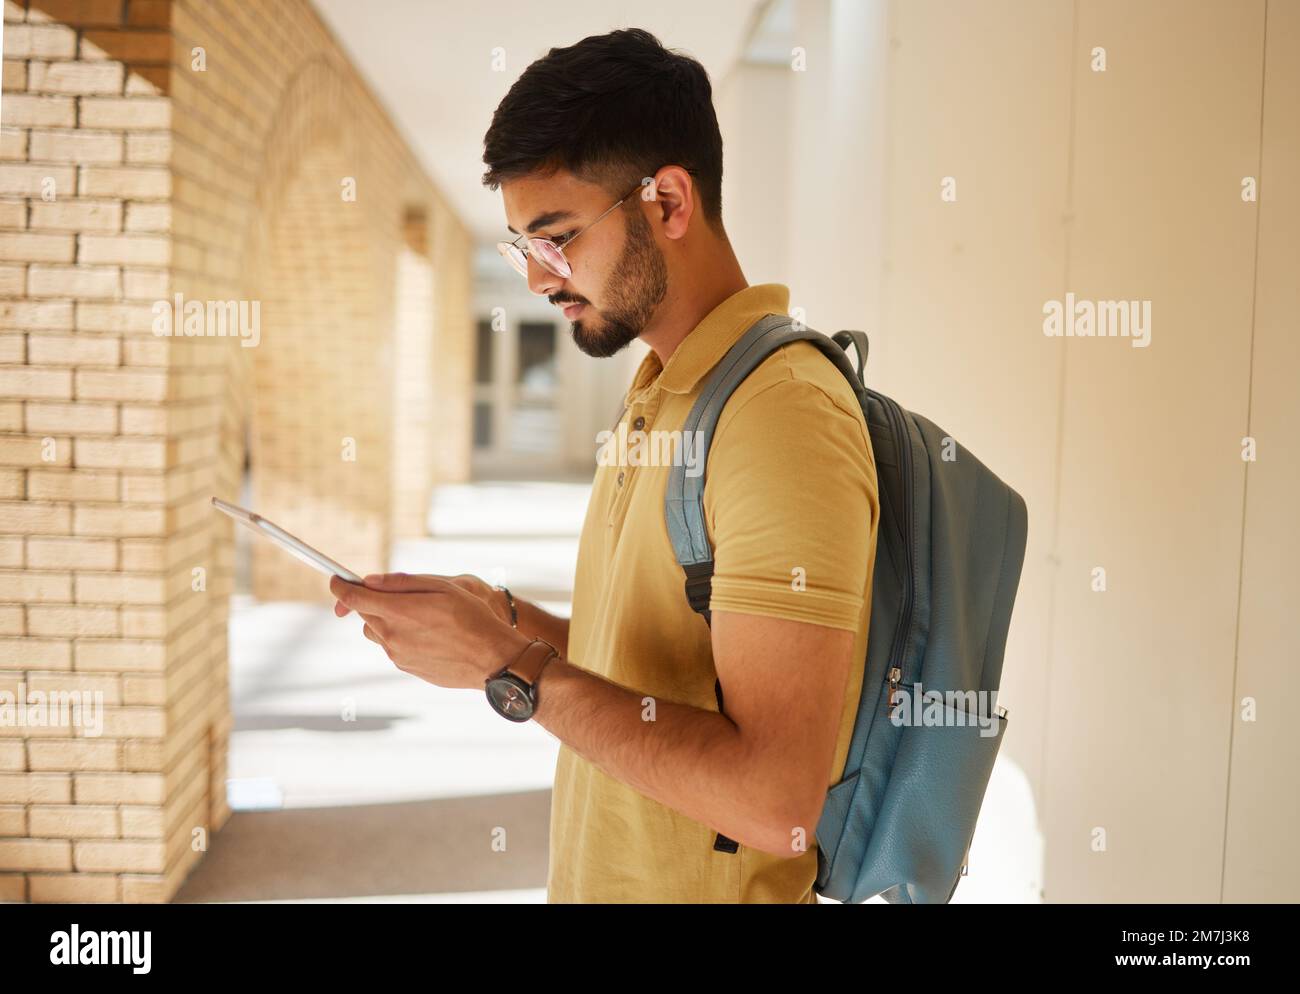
[895, 674]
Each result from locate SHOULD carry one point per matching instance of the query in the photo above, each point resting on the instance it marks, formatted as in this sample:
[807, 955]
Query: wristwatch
[512, 692]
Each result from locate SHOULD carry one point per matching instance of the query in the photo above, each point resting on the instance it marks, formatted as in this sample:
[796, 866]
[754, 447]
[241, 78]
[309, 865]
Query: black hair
[611, 109]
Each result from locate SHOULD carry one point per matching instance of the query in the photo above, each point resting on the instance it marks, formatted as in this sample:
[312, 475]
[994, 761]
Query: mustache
[564, 298]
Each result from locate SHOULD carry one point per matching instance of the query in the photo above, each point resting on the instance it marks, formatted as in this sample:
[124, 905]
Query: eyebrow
[542, 220]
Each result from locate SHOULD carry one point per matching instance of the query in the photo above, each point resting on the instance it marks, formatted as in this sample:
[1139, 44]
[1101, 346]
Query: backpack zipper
[905, 468]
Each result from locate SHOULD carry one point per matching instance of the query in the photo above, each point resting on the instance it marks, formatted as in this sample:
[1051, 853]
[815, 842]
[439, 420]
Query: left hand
[431, 627]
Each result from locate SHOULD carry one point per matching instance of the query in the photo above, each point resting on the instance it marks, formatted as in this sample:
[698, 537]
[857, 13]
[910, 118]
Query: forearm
[537, 622]
[689, 759]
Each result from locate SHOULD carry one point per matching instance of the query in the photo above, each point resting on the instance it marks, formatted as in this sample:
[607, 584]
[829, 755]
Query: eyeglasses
[548, 252]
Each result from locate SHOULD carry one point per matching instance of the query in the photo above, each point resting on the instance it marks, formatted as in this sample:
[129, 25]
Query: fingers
[375, 631]
[364, 599]
[340, 587]
[340, 609]
[374, 627]
[398, 583]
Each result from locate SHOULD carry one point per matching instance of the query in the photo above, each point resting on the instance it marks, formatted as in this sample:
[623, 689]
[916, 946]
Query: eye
[562, 239]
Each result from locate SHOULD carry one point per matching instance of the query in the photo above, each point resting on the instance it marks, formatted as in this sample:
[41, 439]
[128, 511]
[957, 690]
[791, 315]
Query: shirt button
[620, 477]
[638, 424]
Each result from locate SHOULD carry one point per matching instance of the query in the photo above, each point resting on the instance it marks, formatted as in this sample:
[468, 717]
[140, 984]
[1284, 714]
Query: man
[660, 795]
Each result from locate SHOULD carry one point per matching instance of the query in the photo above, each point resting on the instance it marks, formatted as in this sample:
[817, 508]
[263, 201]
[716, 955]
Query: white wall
[1122, 184]
[1263, 784]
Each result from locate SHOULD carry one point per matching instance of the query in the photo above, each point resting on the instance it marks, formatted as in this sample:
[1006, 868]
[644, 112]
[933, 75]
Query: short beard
[634, 289]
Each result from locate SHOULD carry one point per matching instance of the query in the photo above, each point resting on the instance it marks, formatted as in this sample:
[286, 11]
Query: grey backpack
[950, 545]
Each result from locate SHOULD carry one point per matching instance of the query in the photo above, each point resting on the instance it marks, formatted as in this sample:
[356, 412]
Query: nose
[540, 279]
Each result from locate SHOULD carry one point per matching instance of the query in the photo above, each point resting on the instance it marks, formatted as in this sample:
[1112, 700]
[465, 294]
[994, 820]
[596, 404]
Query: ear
[675, 199]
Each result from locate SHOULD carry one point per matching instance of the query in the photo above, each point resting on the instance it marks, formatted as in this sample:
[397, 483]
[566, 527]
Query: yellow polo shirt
[790, 486]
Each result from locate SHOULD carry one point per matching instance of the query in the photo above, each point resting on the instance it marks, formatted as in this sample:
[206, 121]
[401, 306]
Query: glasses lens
[515, 256]
[550, 256]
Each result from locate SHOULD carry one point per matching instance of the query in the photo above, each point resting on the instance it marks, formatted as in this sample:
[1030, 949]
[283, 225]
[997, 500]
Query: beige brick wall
[128, 175]
[415, 426]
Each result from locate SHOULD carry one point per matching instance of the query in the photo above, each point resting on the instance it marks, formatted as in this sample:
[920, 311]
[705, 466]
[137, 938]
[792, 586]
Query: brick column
[89, 575]
[196, 147]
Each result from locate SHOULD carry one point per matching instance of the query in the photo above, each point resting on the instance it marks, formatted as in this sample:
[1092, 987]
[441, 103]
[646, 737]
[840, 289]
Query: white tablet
[296, 547]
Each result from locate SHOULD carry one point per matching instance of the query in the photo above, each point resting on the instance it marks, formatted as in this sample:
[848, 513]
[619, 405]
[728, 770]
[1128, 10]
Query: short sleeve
[791, 504]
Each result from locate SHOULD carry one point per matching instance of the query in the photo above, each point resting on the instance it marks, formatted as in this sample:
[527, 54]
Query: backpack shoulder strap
[684, 498]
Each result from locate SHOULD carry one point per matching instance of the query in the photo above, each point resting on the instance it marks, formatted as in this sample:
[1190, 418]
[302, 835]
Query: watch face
[509, 696]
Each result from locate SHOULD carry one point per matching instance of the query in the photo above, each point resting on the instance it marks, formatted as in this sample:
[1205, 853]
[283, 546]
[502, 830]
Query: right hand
[416, 582]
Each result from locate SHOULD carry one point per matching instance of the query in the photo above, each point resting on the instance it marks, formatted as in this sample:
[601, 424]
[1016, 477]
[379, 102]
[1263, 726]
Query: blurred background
[933, 172]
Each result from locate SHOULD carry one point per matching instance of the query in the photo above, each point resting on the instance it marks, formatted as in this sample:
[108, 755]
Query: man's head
[581, 128]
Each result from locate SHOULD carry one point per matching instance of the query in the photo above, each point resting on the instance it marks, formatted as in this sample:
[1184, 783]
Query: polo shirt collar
[709, 341]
